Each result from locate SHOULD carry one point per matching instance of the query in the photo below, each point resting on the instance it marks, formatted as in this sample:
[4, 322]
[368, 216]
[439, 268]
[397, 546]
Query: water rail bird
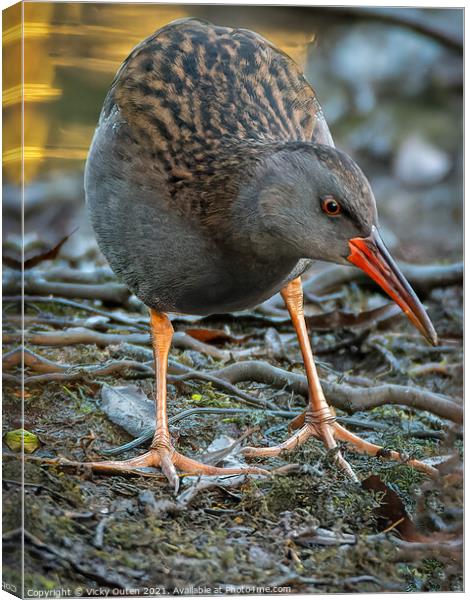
[213, 183]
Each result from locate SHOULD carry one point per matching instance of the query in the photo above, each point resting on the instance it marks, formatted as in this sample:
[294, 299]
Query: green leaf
[19, 437]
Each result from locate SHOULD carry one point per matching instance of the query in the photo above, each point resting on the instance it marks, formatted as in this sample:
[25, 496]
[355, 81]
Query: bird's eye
[330, 206]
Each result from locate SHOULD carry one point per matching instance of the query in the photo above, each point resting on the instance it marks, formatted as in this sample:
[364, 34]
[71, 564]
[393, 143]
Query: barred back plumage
[193, 87]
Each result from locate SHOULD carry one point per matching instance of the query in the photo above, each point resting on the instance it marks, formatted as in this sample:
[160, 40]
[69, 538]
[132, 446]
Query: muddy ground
[94, 531]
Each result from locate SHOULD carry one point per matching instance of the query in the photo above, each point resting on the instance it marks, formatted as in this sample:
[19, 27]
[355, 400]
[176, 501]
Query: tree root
[345, 397]
[82, 335]
[112, 316]
[116, 293]
[51, 371]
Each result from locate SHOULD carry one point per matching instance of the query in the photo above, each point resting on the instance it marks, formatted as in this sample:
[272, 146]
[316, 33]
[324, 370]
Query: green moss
[213, 538]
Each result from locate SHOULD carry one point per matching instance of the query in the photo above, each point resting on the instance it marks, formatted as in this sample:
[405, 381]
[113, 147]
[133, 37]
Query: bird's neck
[262, 224]
[219, 187]
[212, 178]
[224, 164]
[223, 185]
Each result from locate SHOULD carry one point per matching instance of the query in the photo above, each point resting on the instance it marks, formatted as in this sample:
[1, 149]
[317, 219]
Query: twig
[409, 551]
[423, 278]
[124, 368]
[407, 19]
[345, 397]
[99, 532]
[386, 354]
[68, 275]
[438, 368]
[117, 318]
[52, 371]
[96, 323]
[148, 434]
[82, 335]
[112, 292]
[78, 335]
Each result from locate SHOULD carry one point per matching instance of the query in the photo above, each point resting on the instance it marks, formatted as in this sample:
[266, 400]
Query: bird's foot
[363, 447]
[168, 460]
[322, 425]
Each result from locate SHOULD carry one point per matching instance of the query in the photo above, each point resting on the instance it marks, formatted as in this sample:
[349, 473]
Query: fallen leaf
[214, 336]
[20, 438]
[392, 513]
[128, 407]
[274, 344]
[29, 263]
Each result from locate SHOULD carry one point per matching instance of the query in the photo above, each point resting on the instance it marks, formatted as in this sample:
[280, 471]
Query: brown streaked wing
[192, 84]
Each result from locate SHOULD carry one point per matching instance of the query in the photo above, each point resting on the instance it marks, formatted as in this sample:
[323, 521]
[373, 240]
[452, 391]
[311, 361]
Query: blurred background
[390, 82]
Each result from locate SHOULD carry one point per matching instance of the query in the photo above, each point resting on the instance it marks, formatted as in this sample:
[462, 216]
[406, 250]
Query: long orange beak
[371, 255]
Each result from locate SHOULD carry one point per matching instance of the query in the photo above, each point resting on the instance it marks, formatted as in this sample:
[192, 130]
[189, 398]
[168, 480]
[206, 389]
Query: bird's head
[317, 203]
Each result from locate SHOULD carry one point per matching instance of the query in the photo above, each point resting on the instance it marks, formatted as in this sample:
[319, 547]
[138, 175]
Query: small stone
[158, 508]
[147, 500]
[418, 162]
[260, 557]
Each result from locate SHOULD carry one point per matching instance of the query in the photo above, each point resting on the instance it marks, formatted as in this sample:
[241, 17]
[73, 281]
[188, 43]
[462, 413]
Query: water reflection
[71, 54]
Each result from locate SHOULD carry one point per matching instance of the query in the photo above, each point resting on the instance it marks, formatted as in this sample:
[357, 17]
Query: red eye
[330, 206]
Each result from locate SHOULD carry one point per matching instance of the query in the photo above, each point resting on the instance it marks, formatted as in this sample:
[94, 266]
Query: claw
[329, 433]
[319, 419]
[169, 470]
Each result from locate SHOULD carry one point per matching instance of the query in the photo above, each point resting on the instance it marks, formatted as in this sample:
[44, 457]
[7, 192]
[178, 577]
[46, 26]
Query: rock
[374, 59]
[418, 162]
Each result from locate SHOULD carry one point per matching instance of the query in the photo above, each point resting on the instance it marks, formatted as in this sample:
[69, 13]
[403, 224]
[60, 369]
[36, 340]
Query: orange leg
[161, 453]
[319, 420]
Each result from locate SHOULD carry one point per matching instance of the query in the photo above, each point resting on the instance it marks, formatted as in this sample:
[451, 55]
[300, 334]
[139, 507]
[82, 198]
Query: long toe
[194, 467]
[168, 460]
[290, 444]
[132, 466]
[326, 433]
[363, 447]
[323, 432]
